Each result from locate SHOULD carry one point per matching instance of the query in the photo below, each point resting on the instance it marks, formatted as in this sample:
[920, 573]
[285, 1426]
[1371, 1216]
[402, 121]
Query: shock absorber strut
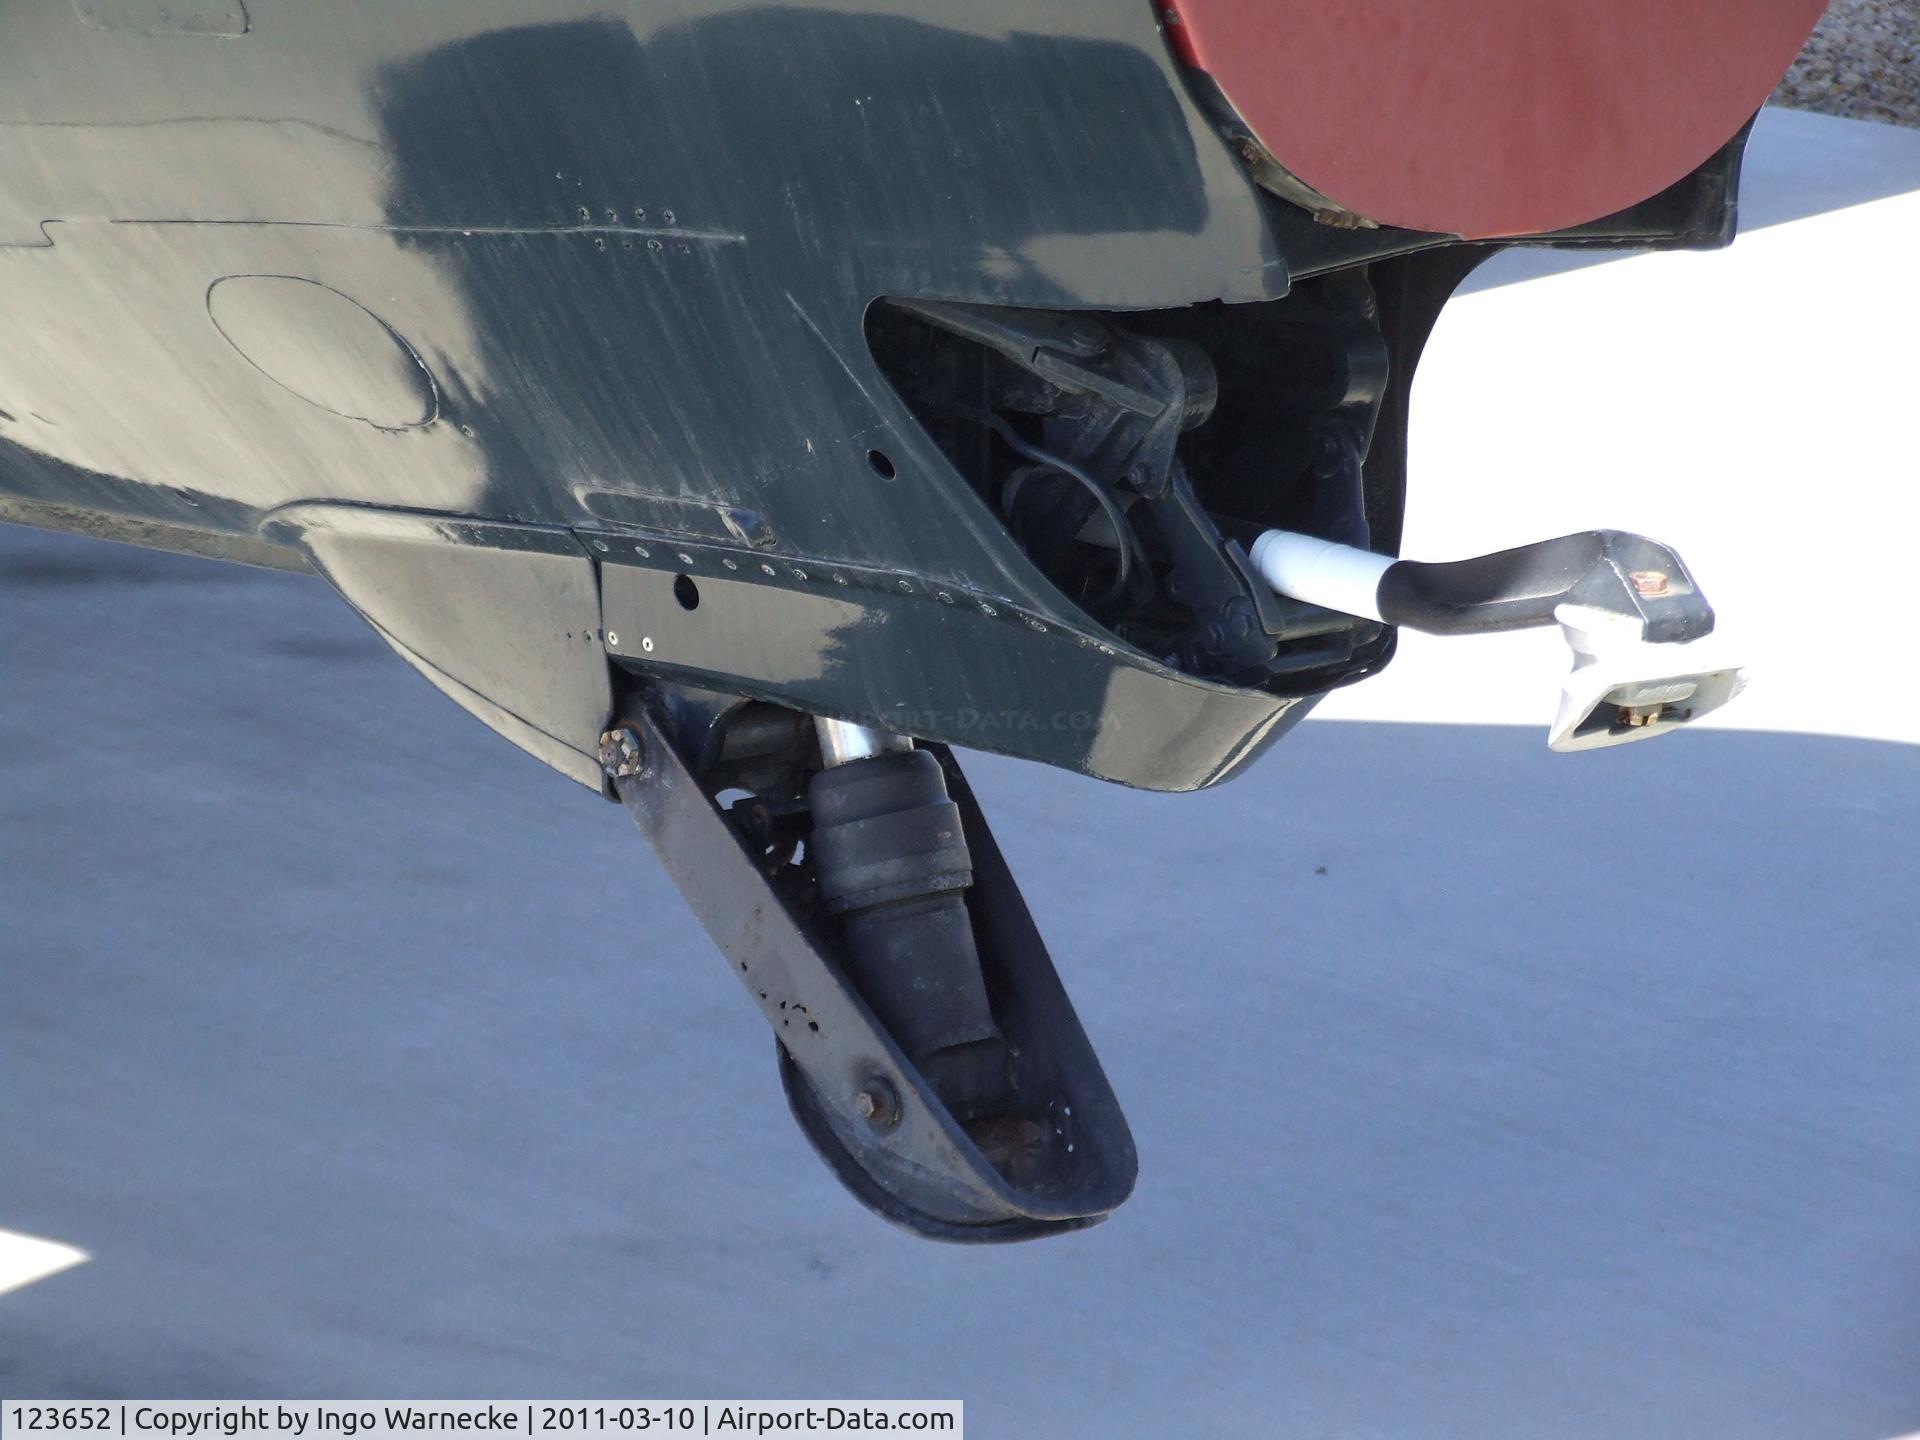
[925, 1043]
[893, 868]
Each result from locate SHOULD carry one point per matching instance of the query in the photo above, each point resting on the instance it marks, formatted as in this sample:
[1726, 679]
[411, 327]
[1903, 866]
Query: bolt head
[876, 1103]
[623, 753]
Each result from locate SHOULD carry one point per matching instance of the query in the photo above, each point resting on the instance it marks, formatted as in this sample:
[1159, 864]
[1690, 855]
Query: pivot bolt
[876, 1103]
[623, 753]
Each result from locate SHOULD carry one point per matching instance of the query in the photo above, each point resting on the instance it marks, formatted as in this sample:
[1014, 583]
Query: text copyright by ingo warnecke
[382, 1419]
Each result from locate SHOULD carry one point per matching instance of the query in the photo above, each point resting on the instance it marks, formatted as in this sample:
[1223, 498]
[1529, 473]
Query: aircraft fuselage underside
[671, 382]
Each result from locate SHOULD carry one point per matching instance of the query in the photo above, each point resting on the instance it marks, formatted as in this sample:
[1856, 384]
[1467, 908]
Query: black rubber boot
[893, 867]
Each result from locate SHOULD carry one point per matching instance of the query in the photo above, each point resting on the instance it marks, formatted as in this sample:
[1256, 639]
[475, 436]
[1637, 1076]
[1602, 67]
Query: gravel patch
[1862, 62]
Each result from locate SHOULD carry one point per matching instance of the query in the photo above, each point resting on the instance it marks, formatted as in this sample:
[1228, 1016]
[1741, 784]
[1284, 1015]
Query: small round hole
[882, 466]
[686, 592]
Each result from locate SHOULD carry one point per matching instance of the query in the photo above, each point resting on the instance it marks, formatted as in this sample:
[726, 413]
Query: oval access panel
[325, 347]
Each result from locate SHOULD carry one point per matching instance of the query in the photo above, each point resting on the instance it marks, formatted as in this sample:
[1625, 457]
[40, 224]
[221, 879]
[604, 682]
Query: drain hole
[686, 592]
[882, 466]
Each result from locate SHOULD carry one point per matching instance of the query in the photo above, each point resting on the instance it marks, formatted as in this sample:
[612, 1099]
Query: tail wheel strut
[926, 1045]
